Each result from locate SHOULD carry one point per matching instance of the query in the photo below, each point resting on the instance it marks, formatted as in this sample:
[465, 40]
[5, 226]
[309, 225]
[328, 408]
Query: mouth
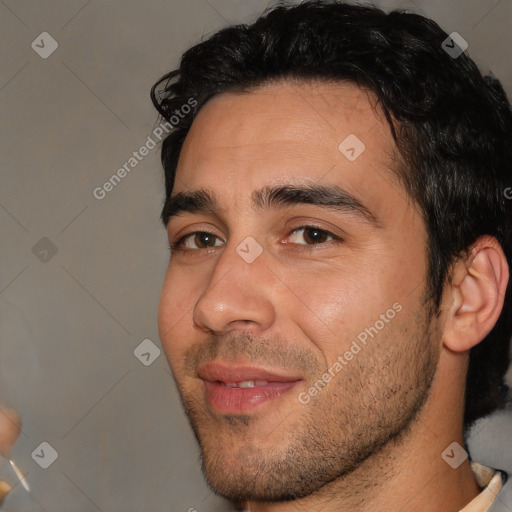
[238, 389]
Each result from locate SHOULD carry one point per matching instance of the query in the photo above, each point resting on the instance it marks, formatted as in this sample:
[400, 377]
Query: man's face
[292, 318]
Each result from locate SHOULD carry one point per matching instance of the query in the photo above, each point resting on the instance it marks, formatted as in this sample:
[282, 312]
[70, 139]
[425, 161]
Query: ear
[476, 293]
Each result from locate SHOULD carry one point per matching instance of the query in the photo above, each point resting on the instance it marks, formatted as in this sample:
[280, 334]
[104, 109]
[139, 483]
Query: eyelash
[178, 246]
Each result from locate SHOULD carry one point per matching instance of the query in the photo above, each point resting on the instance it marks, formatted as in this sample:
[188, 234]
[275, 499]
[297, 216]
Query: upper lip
[217, 372]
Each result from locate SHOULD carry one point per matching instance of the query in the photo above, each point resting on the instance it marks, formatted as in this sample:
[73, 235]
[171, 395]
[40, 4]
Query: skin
[9, 432]
[372, 438]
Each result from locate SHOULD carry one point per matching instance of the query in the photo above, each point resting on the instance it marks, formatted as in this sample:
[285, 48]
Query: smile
[237, 389]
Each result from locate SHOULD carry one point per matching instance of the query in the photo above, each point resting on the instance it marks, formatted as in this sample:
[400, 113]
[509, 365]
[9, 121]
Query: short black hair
[452, 128]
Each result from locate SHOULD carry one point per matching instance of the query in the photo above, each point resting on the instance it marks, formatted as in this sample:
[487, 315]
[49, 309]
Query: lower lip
[242, 400]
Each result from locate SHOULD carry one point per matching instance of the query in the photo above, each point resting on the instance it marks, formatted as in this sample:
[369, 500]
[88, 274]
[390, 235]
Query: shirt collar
[490, 481]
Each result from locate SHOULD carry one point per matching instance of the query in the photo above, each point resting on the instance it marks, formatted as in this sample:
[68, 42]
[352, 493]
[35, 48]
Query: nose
[238, 296]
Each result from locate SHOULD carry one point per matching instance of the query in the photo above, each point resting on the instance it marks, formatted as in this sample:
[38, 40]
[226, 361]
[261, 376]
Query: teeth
[246, 384]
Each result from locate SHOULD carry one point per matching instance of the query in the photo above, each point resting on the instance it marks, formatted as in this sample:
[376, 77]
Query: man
[336, 311]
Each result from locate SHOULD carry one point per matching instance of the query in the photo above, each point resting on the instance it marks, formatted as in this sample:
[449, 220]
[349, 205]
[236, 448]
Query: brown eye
[197, 240]
[315, 236]
[204, 240]
[311, 235]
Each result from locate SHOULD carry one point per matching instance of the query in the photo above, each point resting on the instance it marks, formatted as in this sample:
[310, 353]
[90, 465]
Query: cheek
[333, 310]
[335, 294]
[175, 314]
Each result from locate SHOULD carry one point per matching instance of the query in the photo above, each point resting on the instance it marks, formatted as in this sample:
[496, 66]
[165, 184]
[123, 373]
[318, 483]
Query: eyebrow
[329, 197]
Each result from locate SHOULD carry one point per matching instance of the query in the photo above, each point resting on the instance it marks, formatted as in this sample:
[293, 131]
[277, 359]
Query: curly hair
[451, 125]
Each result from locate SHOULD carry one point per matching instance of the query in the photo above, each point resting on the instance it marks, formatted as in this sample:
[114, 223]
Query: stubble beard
[373, 401]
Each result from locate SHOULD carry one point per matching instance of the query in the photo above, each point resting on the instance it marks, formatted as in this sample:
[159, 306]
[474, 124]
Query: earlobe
[477, 291]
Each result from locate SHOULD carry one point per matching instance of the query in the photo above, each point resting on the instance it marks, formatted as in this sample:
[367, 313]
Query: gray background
[69, 325]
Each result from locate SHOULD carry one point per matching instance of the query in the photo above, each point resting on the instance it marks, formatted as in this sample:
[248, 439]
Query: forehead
[286, 132]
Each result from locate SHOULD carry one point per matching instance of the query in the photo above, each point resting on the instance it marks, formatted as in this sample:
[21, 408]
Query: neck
[409, 472]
